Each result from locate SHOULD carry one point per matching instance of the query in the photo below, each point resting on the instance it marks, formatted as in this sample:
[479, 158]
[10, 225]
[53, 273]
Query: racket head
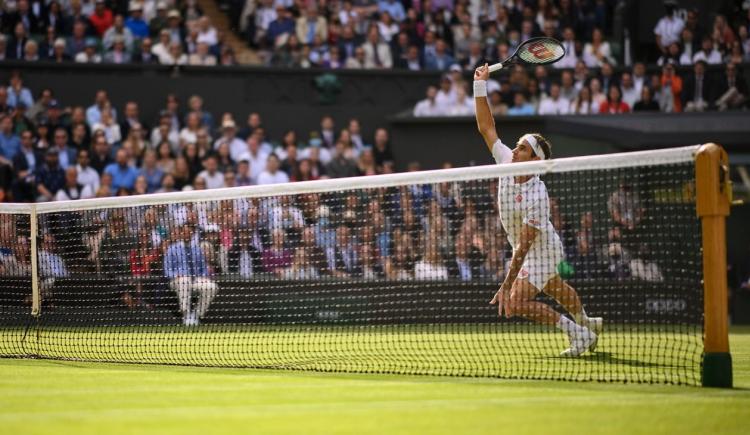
[540, 51]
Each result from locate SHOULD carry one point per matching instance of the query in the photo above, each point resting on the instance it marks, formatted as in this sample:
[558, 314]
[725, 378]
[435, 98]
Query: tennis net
[381, 274]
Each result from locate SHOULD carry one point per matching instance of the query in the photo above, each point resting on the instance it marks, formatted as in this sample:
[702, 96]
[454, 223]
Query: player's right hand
[501, 299]
[482, 73]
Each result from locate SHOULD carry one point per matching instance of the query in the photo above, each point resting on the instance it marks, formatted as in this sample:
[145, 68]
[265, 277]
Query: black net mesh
[377, 280]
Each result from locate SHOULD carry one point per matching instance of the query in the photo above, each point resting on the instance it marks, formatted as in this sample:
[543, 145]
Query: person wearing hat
[160, 21]
[51, 176]
[237, 147]
[135, 21]
[174, 26]
[669, 27]
[102, 18]
[89, 54]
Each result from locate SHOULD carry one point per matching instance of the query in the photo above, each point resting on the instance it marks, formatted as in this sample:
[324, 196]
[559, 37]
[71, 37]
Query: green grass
[61, 397]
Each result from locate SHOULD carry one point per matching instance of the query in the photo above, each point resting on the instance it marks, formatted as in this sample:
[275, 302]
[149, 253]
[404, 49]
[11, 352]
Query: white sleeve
[501, 153]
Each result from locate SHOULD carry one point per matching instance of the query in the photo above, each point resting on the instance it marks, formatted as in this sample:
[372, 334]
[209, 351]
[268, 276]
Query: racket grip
[495, 67]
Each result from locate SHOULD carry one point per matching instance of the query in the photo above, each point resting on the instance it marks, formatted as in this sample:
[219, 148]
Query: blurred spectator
[202, 56]
[646, 103]
[123, 175]
[118, 54]
[696, 92]
[86, 175]
[277, 256]
[72, 189]
[732, 89]
[50, 178]
[440, 59]
[521, 106]
[428, 106]
[669, 27]
[583, 103]
[377, 53]
[17, 92]
[118, 29]
[102, 18]
[272, 174]
[186, 267]
[614, 104]
[671, 88]
[211, 175]
[463, 104]
[311, 25]
[598, 51]
[708, 53]
[554, 104]
[341, 165]
[135, 22]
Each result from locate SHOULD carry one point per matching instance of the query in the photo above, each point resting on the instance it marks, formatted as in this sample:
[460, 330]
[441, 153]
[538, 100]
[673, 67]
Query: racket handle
[495, 67]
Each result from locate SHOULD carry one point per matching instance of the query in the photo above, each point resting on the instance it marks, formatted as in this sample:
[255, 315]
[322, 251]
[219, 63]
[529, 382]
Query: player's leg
[181, 286]
[206, 291]
[567, 296]
[522, 303]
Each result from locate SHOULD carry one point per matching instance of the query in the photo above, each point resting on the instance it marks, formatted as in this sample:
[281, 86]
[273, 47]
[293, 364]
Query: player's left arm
[528, 236]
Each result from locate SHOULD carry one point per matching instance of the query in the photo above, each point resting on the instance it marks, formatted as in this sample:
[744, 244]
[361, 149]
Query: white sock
[568, 326]
[581, 318]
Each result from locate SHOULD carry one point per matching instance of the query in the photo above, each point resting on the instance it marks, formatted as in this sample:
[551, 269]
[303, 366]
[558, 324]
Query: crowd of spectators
[167, 32]
[50, 152]
[700, 70]
[582, 91]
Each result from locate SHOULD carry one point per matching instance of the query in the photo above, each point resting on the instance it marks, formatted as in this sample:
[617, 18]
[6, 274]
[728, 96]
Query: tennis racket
[534, 51]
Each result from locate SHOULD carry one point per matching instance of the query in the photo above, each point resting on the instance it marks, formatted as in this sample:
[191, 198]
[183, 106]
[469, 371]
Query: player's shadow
[610, 358]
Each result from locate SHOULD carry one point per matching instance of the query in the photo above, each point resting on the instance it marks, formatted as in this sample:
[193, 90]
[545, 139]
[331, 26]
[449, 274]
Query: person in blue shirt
[187, 268]
[394, 8]
[137, 25]
[283, 24]
[123, 175]
[152, 172]
[17, 93]
[10, 143]
[520, 106]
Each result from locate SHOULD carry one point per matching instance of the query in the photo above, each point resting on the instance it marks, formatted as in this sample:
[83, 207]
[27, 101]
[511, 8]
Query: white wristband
[480, 88]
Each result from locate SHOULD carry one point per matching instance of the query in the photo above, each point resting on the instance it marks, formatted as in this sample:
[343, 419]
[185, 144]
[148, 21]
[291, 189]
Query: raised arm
[485, 120]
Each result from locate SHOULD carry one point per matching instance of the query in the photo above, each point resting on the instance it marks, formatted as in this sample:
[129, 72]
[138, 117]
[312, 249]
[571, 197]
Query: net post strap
[36, 299]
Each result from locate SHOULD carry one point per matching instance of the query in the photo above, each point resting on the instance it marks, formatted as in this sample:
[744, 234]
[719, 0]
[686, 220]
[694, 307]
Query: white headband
[531, 140]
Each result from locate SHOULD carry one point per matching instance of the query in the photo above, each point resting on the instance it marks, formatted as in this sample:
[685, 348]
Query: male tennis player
[523, 205]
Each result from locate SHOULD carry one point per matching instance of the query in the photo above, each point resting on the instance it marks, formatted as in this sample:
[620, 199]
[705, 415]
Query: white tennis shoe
[581, 341]
[596, 325]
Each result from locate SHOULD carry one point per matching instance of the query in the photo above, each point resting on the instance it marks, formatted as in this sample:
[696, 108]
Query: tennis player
[537, 249]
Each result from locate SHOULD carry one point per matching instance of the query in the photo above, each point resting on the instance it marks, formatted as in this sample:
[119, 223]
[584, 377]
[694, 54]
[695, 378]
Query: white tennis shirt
[522, 204]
